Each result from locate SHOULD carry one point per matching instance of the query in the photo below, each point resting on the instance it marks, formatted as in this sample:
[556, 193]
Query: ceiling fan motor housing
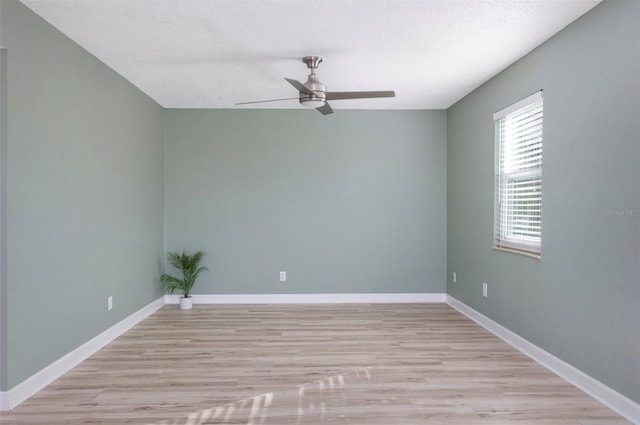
[317, 99]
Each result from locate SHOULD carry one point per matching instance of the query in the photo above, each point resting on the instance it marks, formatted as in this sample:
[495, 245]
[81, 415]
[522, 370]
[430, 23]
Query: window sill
[517, 251]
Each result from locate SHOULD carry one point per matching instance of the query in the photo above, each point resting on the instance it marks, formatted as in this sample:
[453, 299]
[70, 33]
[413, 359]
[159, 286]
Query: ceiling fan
[314, 94]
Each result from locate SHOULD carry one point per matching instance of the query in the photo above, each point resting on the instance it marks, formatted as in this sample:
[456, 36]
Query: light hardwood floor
[395, 364]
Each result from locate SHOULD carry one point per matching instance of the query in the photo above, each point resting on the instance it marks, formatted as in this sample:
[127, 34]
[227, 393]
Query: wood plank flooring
[365, 364]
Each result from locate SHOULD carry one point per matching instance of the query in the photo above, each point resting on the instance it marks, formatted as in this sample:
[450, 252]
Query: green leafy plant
[189, 265]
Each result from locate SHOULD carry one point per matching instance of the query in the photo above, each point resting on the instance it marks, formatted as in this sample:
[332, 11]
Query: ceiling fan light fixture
[312, 103]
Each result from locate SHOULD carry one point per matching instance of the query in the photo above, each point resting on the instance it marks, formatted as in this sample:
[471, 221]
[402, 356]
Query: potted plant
[189, 265]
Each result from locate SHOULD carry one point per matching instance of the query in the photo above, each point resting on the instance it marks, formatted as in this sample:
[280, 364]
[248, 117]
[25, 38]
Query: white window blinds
[518, 185]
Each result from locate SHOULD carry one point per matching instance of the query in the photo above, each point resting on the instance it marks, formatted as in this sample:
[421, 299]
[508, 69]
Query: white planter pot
[185, 303]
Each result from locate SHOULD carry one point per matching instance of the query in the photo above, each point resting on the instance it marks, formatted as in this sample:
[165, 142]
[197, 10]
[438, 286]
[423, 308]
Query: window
[518, 184]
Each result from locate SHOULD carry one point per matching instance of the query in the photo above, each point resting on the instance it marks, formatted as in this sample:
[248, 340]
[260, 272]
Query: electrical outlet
[109, 303]
[454, 278]
[484, 289]
[283, 276]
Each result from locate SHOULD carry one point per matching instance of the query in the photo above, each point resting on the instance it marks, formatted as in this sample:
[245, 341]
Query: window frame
[507, 181]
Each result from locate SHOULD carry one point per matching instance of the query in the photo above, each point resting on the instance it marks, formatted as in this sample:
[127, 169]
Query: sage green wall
[581, 300]
[354, 202]
[85, 195]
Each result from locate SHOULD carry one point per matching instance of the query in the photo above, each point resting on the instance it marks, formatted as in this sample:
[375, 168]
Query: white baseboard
[310, 298]
[617, 402]
[30, 386]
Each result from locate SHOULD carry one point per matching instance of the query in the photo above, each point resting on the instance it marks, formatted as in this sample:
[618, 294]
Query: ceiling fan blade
[263, 101]
[301, 87]
[325, 109]
[343, 95]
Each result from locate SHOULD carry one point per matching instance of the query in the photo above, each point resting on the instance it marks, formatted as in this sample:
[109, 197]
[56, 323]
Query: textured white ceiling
[215, 53]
